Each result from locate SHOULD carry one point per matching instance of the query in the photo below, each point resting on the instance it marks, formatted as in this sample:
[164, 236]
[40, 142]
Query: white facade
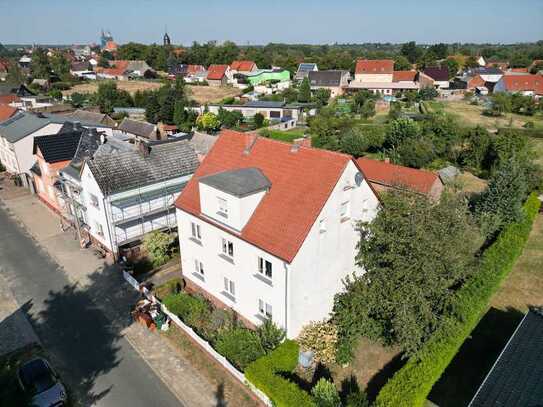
[373, 77]
[126, 216]
[216, 259]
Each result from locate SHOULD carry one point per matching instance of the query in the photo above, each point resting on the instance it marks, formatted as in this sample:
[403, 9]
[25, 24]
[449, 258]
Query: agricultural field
[130, 86]
[211, 94]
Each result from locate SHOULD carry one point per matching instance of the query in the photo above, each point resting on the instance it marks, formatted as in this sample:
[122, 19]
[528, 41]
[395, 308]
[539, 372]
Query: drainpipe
[114, 247]
[286, 267]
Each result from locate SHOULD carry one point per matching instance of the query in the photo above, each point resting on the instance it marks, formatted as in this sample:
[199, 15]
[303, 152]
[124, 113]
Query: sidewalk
[109, 292]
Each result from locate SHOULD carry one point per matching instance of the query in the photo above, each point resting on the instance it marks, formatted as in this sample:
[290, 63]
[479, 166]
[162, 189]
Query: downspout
[114, 247]
[285, 265]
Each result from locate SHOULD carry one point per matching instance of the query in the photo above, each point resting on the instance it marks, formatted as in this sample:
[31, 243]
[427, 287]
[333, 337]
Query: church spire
[167, 41]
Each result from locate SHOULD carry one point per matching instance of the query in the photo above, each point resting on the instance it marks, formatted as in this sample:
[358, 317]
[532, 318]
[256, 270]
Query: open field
[471, 115]
[523, 288]
[201, 94]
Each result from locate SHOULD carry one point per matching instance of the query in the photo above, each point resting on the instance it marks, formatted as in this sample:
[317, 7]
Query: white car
[38, 379]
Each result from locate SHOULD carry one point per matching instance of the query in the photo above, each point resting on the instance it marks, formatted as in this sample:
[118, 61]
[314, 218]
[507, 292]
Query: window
[322, 225]
[94, 200]
[99, 229]
[344, 210]
[195, 231]
[264, 309]
[199, 266]
[223, 207]
[227, 248]
[264, 267]
[229, 287]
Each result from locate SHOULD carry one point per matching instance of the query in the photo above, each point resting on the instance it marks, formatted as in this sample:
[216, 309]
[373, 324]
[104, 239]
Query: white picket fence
[200, 341]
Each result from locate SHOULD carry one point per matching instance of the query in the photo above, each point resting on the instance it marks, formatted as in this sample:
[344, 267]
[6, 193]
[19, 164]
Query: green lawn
[289, 135]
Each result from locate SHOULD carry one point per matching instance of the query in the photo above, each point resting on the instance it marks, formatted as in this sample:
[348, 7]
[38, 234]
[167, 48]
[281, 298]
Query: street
[86, 346]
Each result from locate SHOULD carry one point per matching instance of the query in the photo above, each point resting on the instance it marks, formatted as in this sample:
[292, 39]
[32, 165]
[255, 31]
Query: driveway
[85, 344]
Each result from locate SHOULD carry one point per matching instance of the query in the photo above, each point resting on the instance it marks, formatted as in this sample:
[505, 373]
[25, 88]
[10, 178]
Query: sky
[261, 22]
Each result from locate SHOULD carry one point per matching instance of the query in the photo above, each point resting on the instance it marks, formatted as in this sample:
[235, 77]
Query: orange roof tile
[301, 183]
[519, 70]
[118, 69]
[374, 66]
[111, 46]
[192, 69]
[520, 83]
[7, 99]
[387, 174]
[6, 112]
[401, 76]
[242, 66]
[216, 72]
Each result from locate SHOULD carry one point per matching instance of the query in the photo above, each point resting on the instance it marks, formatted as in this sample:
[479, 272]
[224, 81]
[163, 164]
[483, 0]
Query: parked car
[38, 379]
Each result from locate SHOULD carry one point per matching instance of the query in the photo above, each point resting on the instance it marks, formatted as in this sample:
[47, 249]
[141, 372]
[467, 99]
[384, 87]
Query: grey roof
[516, 379]
[448, 174]
[326, 78]
[202, 142]
[131, 169]
[265, 104]
[86, 116]
[240, 183]
[304, 69]
[483, 70]
[142, 129]
[21, 125]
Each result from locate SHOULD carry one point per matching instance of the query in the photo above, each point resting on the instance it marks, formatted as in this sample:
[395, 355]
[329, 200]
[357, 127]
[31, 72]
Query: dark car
[38, 379]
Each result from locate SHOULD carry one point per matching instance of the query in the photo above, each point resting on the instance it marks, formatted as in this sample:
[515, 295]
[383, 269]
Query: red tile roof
[111, 46]
[401, 76]
[192, 69]
[374, 66]
[6, 112]
[216, 72]
[519, 70]
[301, 183]
[387, 174]
[7, 99]
[520, 83]
[242, 66]
[119, 68]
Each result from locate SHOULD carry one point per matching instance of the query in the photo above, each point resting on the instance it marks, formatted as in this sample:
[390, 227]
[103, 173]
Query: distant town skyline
[304, 21]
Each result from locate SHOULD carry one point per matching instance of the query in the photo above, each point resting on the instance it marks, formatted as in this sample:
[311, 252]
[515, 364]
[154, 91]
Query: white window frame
[322, 225]
[230, 287]
[263, 269]
[199, 267]
[344, 210]
[265, 309]
[196, 231]
[99, 229]
[222, 206]
[94, 200]
[227, 247]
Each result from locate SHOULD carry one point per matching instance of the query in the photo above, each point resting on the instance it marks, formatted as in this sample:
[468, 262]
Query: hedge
[263, 374]
[535, 133]
[411, 385]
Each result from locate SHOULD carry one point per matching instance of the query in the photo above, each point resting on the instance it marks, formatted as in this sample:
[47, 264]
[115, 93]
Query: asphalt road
[96, 362]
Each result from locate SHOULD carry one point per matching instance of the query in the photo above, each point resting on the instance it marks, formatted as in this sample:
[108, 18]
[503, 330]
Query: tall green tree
[40, 66]
[304, 93]
[411, 51]
[152, 108]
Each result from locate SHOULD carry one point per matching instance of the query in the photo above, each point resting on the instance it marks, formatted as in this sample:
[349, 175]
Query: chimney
[294, 148]
[250, 140]
[145, 149]
[303, 141]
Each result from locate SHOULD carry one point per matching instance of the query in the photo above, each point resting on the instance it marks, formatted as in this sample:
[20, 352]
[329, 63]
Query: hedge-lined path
[522, 289]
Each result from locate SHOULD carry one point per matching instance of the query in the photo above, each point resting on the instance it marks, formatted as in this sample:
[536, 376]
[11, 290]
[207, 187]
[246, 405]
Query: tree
[322, 96]
[500, 104]
[471, 62]
[427, 93]
[106, 96]
[401, 63]
[152, 108]
[61, 66]
[441, 50]
[477, 153]
[157, 244]
[258, 119]
[208, 122]
[368, 109]
[304, 94]
[453, 67]
[179, 113]
[78, 99]
[325, 394]
[40, 67]
[416, 153]
[400, 130]
[229, 119]
[414, 252]
[411, 51]
[166, 99]
[270, 335]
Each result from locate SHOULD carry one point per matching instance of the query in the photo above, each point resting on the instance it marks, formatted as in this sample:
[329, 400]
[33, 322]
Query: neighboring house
[516, 378]
[244, 67]
[131, 193]
[376, 71]
[17, 137]
[142, 131]
[83, 70]
[517, 71]
[202, 143]
[6, 112]
[52, 153]
[303, 70]
[468, 82]
[481, 61]
[124, 70]
[260, 219]
[184, 70]
[218, 75]
[527, 85]
[262, 75]
[269, 109]
[136, 113]
[91, 117]
[487, 74]
[435, 77]
[383, 176]
[24, 61]
[335, 80]
[501, 65]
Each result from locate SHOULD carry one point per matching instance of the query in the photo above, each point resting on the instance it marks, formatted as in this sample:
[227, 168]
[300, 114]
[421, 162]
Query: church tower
[167, 41]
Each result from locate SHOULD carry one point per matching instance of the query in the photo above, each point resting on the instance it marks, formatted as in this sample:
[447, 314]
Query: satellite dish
[358, 179]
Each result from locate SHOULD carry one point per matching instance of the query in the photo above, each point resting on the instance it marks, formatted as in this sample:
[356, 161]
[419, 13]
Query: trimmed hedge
[263, 374]
[413, 382]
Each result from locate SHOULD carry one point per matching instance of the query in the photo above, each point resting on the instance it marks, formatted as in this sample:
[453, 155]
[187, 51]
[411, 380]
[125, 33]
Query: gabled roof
[242, 66]
[142, 129]
[132, 169]
[57, 147]
[391, 175]
[437, 74]
[326, 78]
[119, 67]
[21, 125]
[516, 379]
[404, 76]
[216, 72]
[302, 180]
[521, 83]
[6, 112]
[303, 70]
[7, 99]
[374, 66]
[77, 66]
[202, 142]
[86, 116]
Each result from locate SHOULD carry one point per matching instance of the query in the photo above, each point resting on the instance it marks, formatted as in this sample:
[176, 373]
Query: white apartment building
[269, 228]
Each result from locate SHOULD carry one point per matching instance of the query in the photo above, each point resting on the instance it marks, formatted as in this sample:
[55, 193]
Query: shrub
[412, 383]
[240, 346]
[170, 287]
[157, 245]
[270, 335]
[321, 338]
[263, 373]
[193, 310]
[357, 399]
[325, 394]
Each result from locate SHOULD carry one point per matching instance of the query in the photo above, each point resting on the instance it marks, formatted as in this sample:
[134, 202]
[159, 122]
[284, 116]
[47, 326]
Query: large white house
[269, 228]
[131, 193]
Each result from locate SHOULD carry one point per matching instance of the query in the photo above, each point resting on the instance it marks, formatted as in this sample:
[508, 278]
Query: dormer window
[222, 206]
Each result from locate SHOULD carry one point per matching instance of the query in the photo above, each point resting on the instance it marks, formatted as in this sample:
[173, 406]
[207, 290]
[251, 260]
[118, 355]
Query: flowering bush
[321, 338]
